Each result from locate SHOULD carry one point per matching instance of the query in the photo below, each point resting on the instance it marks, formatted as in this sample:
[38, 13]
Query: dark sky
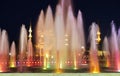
[14, 13]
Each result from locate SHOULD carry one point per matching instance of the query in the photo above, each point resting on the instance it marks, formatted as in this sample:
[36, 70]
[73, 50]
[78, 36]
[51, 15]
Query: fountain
[60, 42]
[49, 40]
[60, 45]
[114, 49]
[39, 38]
[22, 48]
[12, 63]
[4, 51]
[94, 64]
[107, 53]
[29, 50]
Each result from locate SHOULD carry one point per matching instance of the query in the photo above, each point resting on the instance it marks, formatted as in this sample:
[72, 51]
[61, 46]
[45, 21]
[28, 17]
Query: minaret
[29, 48]
[98, 39]
[30, 32]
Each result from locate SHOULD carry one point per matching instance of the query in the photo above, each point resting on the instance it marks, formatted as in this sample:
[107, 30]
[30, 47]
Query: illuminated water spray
[39, 38]
[114, 48]
[13, 55]
[4, 51]
[107, 53]
[60, 41]
[94, 63]
[29, 49]
[49, 40]
[72, 32]
[59, 31]
[22, 48]
[65, 5]
[81, 38]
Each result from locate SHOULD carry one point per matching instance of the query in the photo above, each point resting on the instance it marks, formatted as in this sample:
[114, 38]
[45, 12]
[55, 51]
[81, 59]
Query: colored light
[118, 70]
[12, 64]
[75, 68]
[60, 65]
[44, 68]
[95, 70]
[58, 71]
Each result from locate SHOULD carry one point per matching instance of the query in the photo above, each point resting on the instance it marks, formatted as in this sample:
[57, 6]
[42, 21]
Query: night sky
[14, 13]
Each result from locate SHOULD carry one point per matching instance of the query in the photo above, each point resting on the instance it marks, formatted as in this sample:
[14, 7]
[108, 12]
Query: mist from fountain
[4, 51]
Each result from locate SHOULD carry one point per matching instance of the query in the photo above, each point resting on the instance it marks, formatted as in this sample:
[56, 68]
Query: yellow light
[46, 55]
[1, 69]
[58, 71]
[75, 63]
[98, 33]
[66, 35]
[60, 65]
[66, 44]
[30, 33]
[66, 39]
[52, 57]
[44, 68]
[12, 64]
[45, 62]
[95, 70]
[41, 35]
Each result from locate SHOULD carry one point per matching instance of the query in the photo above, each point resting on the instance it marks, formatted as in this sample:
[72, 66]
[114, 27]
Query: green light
[48, 65]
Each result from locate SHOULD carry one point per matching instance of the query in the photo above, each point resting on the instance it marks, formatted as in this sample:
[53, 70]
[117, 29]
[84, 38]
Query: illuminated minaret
[98, 39]
[29, 48]
[30, 33]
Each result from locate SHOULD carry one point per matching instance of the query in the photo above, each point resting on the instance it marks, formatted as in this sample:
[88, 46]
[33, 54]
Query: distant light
[1, 70]
[68, 62]
[66, 35]
[60, 65]
[82, 47]
[66, 39]
[9, 53]
[41, 35]
[52, 57]
[118, 70]
[75, 68]
[95, 72]
[44, 68]
[46, 55]
[66, 44]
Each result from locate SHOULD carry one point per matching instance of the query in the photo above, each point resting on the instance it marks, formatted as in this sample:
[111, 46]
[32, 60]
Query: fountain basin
[59, 74]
